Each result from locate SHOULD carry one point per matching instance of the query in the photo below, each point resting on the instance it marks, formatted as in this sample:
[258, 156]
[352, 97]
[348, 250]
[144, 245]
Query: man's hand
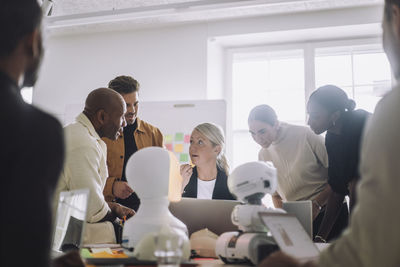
[186, 173]
[121, 211]
[280, 259]
[121, 189]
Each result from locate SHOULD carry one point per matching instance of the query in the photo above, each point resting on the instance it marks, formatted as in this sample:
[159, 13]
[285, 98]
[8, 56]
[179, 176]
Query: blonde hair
[215, 134]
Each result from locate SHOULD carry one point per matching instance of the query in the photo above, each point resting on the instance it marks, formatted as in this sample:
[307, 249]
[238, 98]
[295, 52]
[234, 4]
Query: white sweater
[301, 161]
[85, 167]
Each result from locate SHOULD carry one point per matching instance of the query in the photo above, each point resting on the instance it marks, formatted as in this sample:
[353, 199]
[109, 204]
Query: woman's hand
[186, 173]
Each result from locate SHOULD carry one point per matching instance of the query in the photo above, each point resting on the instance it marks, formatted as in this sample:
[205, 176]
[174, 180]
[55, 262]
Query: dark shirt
[221, 190]
[130, 145]
[31, 159]
[133, 200]
[344, 151]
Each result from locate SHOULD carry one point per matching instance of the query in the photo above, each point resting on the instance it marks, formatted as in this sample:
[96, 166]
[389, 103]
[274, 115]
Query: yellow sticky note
[179, 148]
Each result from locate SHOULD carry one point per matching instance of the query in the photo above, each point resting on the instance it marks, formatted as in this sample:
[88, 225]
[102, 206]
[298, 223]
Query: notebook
[197, 214]
[290, 235]
[70, 221]
[303, 211]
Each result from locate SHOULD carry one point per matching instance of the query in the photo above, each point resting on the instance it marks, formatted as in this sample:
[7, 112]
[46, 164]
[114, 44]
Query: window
[274, 78]
[362, 71]
[278, 78]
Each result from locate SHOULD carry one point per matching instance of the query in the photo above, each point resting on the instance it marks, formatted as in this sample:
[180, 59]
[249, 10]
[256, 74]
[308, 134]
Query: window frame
[309, 52]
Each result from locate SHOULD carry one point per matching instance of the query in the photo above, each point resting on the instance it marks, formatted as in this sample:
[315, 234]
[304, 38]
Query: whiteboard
[175, 119]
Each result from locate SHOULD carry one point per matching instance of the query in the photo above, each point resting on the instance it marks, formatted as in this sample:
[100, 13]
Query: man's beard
[32, 73]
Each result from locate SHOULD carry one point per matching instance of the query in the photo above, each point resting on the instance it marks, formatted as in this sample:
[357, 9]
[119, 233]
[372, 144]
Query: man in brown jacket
[136, 135]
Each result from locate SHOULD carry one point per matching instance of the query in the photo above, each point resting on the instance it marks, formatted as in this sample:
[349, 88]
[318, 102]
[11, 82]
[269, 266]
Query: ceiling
[77, 16]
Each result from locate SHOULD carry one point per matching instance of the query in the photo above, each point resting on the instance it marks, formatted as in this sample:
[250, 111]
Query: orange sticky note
[178, 148]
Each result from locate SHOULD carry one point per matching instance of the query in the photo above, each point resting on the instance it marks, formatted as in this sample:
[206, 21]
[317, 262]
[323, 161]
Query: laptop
[197, 214]
[303, 211]
[290, 235]
[70, 221]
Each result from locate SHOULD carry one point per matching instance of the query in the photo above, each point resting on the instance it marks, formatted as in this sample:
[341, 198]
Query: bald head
[105, 108]
[102, 98]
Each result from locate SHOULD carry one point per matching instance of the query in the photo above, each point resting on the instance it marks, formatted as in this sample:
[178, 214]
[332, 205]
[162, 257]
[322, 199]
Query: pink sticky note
[187, 138]
[168, 147]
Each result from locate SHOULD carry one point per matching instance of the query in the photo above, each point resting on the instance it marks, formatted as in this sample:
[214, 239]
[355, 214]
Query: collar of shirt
[138, 128]
[9, 86]
[82, 119]
[281, 133]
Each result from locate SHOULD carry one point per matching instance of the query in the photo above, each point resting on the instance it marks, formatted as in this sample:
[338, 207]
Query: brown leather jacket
[145, 135]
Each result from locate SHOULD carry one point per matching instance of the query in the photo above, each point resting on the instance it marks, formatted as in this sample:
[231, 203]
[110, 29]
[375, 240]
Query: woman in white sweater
[298, 154]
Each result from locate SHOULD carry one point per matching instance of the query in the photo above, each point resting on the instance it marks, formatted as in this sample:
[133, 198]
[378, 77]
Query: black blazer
[221, 190]
[31, 159]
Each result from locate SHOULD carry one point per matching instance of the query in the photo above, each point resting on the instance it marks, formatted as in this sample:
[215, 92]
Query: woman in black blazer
[208, 179]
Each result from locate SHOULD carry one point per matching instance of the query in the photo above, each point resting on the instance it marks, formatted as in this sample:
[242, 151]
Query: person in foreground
[208, 179]
[31, 142]
[300, 158]
[373, 236]
[85, 165]
[332, 111]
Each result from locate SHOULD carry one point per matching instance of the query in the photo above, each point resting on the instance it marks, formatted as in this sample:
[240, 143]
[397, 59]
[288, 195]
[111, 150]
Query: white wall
[171, 63]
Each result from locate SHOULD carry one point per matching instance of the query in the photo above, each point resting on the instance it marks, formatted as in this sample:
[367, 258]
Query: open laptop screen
[70, 220]
[197, 214]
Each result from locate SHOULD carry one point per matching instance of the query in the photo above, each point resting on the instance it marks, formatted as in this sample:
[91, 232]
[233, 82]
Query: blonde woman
[208, 179]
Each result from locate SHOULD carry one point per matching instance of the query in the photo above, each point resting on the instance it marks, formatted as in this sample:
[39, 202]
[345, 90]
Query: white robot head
[250, 181]
[153, 173]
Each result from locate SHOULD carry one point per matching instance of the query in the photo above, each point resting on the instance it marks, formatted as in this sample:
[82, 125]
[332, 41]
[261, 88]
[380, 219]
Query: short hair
[388, 10]
[332, 98]
[124, 84]
[263, 113]
[17, 19]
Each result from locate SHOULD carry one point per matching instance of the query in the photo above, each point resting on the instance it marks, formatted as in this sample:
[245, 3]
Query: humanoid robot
[249, 182]
[153, 172]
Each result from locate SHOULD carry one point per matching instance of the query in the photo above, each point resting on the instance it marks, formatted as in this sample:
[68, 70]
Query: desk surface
[199, 262]
[202, 263]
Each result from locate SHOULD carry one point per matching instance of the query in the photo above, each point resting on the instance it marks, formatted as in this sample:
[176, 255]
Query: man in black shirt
[31, 142]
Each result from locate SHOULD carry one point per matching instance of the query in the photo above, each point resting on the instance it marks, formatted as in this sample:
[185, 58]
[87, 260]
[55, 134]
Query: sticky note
[169, 147]
[168, 138]
[85, 253]
[187, 139]
[179, 148]
[184, 157]
[179, 137]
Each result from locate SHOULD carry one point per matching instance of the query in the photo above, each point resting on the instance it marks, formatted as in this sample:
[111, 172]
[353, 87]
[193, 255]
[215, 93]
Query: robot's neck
[255, 199]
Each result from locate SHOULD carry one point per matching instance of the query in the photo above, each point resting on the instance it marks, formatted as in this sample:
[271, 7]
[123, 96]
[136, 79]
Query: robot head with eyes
[250, 181]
